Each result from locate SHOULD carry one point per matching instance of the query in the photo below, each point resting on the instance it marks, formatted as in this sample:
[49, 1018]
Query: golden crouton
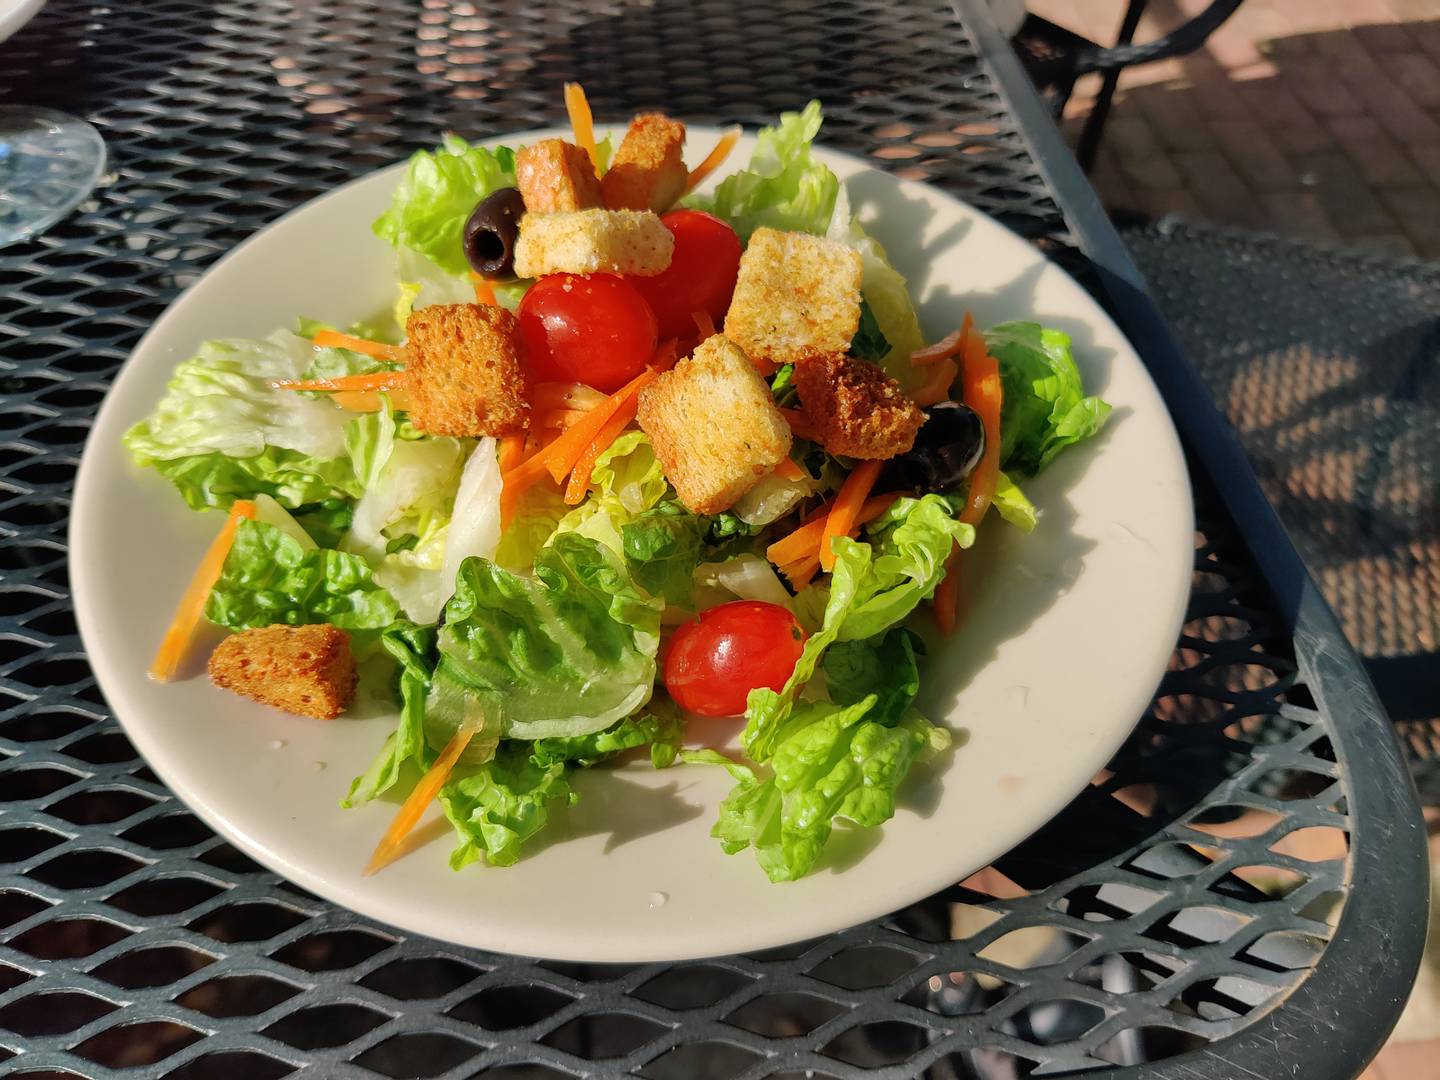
[648, 171]
[797, 294]
[714, 426]
[854, 408]
[593, 242]
[463, 372]
[555, 175]
[307, 670]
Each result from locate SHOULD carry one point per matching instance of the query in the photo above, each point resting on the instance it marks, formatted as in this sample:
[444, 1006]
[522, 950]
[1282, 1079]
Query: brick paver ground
[1319, 118]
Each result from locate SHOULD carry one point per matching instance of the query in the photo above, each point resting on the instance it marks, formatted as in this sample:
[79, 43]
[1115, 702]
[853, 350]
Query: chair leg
[1089, 145]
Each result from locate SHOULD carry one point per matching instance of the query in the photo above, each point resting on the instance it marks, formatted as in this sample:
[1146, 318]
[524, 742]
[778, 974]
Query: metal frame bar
[1366, 973]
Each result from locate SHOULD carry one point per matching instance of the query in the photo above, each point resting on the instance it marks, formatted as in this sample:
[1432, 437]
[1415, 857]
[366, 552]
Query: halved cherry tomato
[713, 663]
[701, 274]
[595, 329]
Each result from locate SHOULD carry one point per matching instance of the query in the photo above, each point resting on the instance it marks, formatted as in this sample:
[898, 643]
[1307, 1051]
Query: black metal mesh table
[1241, 893]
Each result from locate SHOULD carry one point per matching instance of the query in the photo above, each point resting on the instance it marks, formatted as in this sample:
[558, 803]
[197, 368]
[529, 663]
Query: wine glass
[49, 160]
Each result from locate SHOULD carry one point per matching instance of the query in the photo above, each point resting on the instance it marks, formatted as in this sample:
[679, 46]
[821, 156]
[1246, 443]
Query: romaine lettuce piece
[873, 587]
[413, 649]
[401, 523]
[272, 577]
[885, 667]
[223, 431]
[506, 801]
[886, 294]
[1013, 505]
[783, 187]
[436, 196]
[565, 653]
[1045, 408]
[836, 764]
[662, 548]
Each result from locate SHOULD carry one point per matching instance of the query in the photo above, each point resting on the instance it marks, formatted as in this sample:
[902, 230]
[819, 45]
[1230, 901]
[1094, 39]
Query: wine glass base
[49, 162]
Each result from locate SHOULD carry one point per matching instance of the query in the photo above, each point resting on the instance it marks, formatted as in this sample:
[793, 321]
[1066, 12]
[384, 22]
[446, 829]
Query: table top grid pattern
[134, 942]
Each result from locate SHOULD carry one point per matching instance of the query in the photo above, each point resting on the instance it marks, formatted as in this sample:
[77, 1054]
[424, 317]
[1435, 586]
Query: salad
[623, 455]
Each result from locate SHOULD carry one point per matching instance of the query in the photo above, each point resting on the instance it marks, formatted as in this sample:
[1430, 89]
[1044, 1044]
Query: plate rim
[597, 949]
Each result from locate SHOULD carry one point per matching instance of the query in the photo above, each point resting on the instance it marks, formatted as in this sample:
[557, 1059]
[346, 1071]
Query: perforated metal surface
[1171, 907]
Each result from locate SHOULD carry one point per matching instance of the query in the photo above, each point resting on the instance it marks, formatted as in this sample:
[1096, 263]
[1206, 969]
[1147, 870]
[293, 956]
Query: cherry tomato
[595, 329]
[713, 663]
[701, 274]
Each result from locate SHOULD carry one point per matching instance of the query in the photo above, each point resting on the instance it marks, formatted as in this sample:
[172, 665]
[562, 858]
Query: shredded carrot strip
[510, 451]
[848, 503]
[484, 291]
[714, 159]
[546, 396]
[943, 349]
[375, 380]
[560, 457]
[704, 323]
[800, 425]
[369, 400]
[947, 594]
[790, 471]
[425, 791]
[983, 393]
[191, 609]
[333, 339]
[802, 571]
[580, 475]
[805, 541]
[582, 122]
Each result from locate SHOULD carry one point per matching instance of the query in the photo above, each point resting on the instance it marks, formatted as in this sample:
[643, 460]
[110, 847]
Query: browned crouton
[714, 426]
[555, 175]
[856, 409]
[463, 371]
[593, 242]
[648, 171]
[307, 670]
[796, 295]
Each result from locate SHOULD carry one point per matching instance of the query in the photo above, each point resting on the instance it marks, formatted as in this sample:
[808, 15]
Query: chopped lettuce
[869, 342]
[1012, 504]
[270, 577]
[783, 187]
[567, 652]
[885, 292]
[506, 801]
[662, 548]
[1045, 408]
[410, 489]
[413, 649]
[658, 726]
[910, 543]
[437, 194]
[885, 667]
[626, 481]
[873, 587]
[500, 805]
[222, 432]
[837, 764]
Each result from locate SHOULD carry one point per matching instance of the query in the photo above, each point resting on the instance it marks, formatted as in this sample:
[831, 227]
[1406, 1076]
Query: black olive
[947, 447]
[491, 231]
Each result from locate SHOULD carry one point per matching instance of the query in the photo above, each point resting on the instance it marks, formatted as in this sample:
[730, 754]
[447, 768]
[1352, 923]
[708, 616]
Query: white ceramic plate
[1066, 637]
[16, 13]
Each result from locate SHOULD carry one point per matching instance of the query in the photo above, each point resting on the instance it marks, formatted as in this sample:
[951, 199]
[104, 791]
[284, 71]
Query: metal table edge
[1342, 1013]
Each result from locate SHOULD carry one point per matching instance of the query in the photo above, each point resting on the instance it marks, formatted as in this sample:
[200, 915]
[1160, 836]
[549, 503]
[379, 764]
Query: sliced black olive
[947, 447]
[491, 231]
